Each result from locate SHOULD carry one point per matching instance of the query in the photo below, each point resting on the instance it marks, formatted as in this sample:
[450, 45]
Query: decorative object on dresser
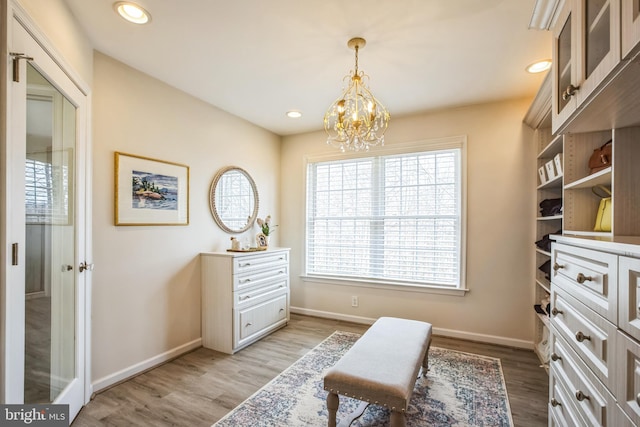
[455, 382]
[233, 199]
[245, 296]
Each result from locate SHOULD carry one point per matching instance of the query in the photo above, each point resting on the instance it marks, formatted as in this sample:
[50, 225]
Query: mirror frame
[212, 199]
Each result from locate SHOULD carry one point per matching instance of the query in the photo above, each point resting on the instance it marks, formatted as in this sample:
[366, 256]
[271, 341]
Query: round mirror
[234, 199]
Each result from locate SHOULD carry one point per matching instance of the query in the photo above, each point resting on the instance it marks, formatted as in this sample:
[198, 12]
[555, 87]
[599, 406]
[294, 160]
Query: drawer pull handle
[245, 280]
[281, 310]
[248, 324]
[581, 337]
[557, 266]
[581, 396]
[582, 278]
[638, 399]
[245, 264]
[555, 403]
[245, 297]
[555, 357]
[555, 311]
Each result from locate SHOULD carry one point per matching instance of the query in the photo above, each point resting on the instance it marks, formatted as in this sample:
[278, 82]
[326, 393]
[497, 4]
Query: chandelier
[357, 120]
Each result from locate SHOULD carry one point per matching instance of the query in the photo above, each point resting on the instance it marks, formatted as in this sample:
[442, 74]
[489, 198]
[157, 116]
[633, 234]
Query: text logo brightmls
[34, 415]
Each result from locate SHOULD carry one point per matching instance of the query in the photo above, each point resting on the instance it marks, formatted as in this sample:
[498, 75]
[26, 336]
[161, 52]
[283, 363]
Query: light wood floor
[199, 388]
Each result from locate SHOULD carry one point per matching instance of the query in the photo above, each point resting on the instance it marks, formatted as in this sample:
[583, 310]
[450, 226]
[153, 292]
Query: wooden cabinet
[594, 331]
[630, 28]
[622, 179]
[245, 296]
[586, 49]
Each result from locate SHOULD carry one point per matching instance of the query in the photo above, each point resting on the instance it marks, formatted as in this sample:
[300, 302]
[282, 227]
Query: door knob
[66, 267]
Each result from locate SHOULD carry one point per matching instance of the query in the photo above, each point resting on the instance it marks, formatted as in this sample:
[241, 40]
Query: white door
[46, 288]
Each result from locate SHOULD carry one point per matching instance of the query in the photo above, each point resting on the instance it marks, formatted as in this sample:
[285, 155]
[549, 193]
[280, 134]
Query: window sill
[392, 286]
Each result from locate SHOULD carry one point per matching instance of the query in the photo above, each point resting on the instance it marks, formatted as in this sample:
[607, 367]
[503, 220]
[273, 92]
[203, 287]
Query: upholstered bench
[381, 367]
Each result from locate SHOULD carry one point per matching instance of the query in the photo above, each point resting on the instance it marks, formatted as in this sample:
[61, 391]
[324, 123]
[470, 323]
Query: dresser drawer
[589, 396]
[255, 295]
[562, 412]
[629, 304]
[627, 388]
[259, 261]
[592, 337]
[589, 275]
[262, 277]
[260, 318]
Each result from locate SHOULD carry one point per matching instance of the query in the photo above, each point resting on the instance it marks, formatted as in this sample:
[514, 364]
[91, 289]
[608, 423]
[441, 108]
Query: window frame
[421, 146]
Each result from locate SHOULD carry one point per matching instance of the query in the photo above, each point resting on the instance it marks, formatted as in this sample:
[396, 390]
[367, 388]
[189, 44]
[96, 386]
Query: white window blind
[392, 218]
[46, 193]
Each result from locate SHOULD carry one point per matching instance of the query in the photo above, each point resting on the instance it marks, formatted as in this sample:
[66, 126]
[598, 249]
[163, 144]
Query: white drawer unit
[590, 274]
[245, 296]
[595, 332]
[590, 335]
[590, 398]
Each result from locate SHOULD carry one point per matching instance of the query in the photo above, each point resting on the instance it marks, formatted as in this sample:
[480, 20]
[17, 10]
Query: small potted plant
[267, 230]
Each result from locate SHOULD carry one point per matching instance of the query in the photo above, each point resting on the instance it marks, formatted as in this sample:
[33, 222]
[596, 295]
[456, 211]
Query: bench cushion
[382, 366]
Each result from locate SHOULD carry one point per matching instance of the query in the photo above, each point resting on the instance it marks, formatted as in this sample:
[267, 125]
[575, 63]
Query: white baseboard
[490, 339]
[145, 365]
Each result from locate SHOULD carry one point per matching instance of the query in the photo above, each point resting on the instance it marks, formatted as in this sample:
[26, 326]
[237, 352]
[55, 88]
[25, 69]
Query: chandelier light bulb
[356, 120]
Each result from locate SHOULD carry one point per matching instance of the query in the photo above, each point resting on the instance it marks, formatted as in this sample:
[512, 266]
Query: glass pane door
[597, 37]
[564, 63]
[50, 277]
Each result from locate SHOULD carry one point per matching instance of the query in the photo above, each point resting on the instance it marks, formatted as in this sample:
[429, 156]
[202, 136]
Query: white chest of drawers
[245, 296]
[595, 328]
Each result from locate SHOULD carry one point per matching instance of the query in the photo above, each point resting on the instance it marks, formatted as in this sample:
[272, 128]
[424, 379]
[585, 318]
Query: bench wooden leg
[398, 419]
[332, 406]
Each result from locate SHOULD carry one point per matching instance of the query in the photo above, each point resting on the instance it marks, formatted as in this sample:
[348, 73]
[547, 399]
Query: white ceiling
[258, 59]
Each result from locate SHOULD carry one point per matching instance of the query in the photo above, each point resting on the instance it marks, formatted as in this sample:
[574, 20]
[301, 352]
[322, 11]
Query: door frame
[12, 13]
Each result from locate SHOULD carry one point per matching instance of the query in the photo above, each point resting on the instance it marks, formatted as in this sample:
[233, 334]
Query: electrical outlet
[354, 301]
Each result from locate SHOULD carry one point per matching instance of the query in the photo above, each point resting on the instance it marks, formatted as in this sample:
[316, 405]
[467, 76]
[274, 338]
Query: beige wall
[146, 285]
[500, 218]
[55, 20]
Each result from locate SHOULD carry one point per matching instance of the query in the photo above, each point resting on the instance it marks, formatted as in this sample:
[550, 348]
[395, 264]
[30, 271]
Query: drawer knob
[581, 337]
[555, 403]
[638, 399]
[581, 396]
[582, 278]
[555, 311]
[557, 266]
[555, 357]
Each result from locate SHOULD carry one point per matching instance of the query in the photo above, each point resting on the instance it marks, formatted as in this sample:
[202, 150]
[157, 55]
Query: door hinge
[16, 64]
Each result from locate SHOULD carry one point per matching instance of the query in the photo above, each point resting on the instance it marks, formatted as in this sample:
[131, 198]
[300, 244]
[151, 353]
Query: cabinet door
[630, 18]
[599, 43]
[564, 72]
[627, 388]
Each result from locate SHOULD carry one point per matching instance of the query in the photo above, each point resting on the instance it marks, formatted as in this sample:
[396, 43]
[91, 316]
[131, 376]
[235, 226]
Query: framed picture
[262, 241]
[150, 191]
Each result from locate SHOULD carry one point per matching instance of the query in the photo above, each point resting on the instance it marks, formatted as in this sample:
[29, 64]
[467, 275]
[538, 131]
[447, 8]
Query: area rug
[461, 389]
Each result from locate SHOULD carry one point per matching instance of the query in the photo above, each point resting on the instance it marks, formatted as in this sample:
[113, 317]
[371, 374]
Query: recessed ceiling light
[132, 12]
[294, 114]
[539, 66]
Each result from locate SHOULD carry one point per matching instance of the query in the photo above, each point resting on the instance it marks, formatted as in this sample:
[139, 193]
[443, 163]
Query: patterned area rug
[461, 389]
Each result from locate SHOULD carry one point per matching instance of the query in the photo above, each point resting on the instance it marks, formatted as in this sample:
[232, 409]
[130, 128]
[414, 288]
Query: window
[394, 218]
[45, 184]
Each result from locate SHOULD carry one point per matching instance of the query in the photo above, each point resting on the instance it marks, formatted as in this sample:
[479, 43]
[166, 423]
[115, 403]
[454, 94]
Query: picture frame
[262, 241]
[150, 191]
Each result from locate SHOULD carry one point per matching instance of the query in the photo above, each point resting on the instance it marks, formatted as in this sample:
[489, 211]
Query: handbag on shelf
[601, 157]
[603, 217]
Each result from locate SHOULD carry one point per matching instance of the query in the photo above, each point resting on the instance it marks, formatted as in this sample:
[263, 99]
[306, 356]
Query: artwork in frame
[150, 191]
